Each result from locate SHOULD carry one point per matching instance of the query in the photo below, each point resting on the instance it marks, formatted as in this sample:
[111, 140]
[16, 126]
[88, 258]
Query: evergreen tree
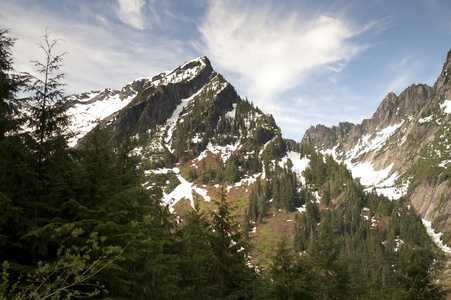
[48, 106]
[10, 84]
[17, 176]
[231, 173]
[414, 276]
[291, 276]
[196, 258]
[335, 281]
[52, 162]
[230, 272]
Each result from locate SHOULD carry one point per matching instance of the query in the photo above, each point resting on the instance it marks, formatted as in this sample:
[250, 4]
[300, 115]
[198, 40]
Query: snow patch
[444, 163]
[425, 120]
[231, 114]
[367, 144]
[172, 121]
[197, 138]
[368, 176]
[203, 193]
[179, 74]
[299, 164]
[85, 115]
[378, 180]
[332, 152]
[302, 209]
[248, 180]
[224, 151]
[184, 191]
[435, 236]
[446, 106]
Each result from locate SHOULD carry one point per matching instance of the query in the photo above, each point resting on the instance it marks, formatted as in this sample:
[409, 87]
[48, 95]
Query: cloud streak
[274, 50]
[130, 12]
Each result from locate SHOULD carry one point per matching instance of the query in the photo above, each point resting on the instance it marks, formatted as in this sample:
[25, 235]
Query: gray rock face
[154, 104]
[392, 110]
[414, 136]
[178, 113]
[443, 86]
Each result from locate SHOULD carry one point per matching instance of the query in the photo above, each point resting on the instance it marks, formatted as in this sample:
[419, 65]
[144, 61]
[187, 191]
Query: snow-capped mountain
[403, 150]
[181, 122]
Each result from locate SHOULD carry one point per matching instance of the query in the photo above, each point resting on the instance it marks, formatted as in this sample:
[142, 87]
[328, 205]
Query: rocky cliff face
[158, 98]
[403, 150]
[442, 86]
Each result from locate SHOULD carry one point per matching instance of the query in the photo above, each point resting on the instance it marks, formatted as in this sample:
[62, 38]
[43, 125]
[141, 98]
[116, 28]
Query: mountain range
[404, 150]
[195, 136]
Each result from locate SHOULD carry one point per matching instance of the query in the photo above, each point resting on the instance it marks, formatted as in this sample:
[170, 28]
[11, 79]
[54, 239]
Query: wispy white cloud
[274, 50]
[131, 12]
[101, 52]
[101, 18]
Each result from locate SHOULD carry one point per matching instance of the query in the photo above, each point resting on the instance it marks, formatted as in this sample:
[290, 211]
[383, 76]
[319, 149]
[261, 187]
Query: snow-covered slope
[93, 107]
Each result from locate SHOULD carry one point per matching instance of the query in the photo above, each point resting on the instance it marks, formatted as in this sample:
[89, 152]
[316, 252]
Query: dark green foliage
[214, 256]
[414, 276]
[231, 273]
[231, 173]
[335, 279]
[196, 258]
[292, 276]
[48, 110]
[323, 169]
[284, 188]
[256, 210]
[9, 86]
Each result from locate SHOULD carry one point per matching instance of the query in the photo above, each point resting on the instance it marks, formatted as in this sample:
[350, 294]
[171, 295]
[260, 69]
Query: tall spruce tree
[47, 105]
[415, 276]
[291, 276]
[48, 121]
[10, 84]
[16, 173]
[335, 280]
[230, 271]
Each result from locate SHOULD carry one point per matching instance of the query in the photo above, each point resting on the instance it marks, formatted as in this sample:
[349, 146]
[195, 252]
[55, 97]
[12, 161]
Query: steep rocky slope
[403, 150]
[190, 129]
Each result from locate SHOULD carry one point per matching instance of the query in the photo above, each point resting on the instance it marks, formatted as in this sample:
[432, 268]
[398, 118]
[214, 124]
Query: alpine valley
[176, 187]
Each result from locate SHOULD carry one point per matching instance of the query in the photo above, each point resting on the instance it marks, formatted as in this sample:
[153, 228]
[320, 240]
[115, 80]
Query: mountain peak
[442, 85]
[393, 109]
[185, 72]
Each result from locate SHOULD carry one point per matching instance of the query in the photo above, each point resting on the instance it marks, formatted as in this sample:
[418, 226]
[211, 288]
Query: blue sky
[306, 62]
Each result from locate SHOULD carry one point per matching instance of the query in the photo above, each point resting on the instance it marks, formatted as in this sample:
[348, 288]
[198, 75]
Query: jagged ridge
[388, 151]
